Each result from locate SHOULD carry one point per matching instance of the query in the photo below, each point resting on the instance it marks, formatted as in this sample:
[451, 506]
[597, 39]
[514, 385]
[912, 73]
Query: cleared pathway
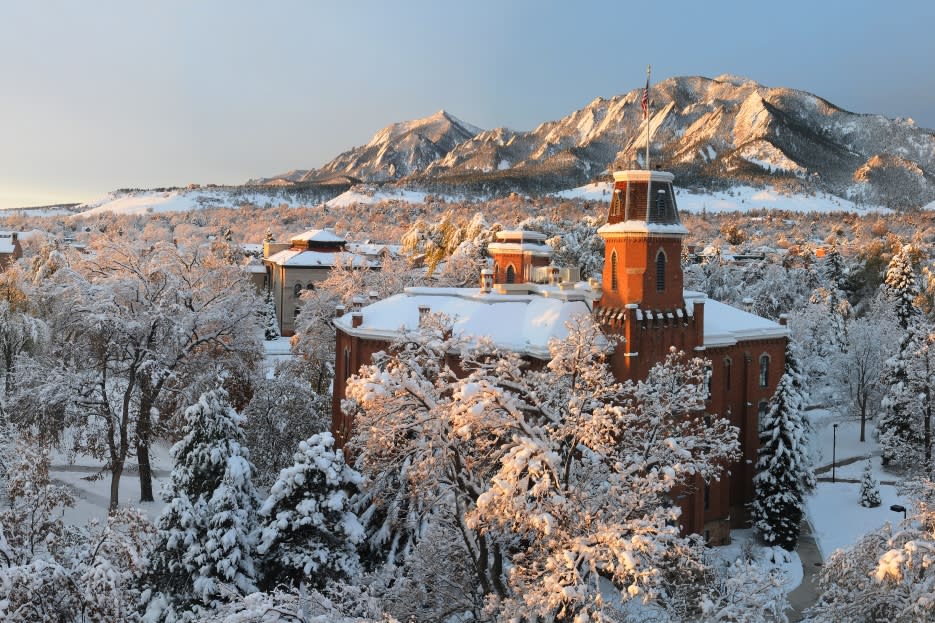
[806, 594]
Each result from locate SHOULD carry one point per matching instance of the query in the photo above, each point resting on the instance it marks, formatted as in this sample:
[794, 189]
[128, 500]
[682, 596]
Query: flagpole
[649, 69]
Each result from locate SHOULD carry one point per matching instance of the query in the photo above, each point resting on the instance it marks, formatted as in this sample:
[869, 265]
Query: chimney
[784, 319]
[374, 296]
[486, 281]
[698, 317]
[748, 304]
[423, 312]
[357, 319]
[338, 311]
[357, 303]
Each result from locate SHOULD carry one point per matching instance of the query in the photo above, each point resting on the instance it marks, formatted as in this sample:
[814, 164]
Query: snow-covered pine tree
[206, 531]
[783, 470]
[271, 331]
[309, 534]
[901, 286]
[834, 270]
[869, 488]
[901, 428]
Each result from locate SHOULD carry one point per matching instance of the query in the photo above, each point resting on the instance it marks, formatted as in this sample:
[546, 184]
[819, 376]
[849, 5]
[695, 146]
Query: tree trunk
[143, 439]
[863, 420]
[116, 470]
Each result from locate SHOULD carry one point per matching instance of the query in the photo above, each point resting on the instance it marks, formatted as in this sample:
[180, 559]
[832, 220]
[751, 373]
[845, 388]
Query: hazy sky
[99, 95]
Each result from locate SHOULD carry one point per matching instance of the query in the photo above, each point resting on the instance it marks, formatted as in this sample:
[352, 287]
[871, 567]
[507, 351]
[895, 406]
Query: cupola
[643, 243]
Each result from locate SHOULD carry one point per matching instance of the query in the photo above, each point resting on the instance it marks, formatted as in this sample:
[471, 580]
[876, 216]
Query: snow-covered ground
[769, 557]
[357, 196]
[737, 199]
[92, 497]
[834, 509]
[184, 200]
[275, 351]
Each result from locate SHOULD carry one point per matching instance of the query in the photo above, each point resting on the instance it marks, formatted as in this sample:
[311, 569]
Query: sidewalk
[805, 596]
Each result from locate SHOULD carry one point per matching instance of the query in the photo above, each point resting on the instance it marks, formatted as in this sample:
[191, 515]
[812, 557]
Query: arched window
[347, 363]
[613, 271]
[727, 370]
[660, 205]
[297, 290]
[761, 415]
[764, 370]
[510, 274]
[310, 286]
[660, 271]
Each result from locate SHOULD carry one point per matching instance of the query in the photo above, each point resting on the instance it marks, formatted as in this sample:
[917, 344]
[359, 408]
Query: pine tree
[272, 325]
[783, 470]
[205, 532]
[905, 423]
[869, 488]
[309, 534]
[901, 286]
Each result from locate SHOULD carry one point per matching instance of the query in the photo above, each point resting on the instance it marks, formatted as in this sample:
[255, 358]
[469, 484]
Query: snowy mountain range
[711, 132]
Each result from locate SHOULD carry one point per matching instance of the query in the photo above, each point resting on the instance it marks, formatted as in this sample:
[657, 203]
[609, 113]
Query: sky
[104, 94]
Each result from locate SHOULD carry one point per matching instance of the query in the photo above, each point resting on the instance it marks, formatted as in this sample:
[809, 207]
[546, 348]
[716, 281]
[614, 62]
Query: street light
[834, 448]
[899, 508]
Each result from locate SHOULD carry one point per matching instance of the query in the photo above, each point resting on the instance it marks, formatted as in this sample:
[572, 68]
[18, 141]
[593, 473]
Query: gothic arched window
[660, 271]
[510, 274]
[613, 271]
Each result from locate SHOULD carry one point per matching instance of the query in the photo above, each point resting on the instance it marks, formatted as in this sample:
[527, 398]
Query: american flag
[644, 101]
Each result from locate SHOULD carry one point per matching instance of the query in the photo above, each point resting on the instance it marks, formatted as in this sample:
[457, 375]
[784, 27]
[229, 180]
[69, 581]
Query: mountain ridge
[710, 132]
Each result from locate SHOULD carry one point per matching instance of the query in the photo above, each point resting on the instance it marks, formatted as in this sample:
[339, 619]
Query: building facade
[296, 266]
[640, 299]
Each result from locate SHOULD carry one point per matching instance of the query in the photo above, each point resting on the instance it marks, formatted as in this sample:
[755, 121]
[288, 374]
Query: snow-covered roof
[520, 322]
[300, 258]
[520, 234]
[532, 248]
[642, 227]
[318, 235]
[725, 325]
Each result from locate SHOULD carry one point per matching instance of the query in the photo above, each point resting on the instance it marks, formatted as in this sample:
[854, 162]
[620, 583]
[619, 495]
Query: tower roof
[643, 202]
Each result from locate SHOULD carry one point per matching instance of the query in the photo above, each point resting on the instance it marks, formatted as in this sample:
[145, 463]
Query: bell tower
[643, 243]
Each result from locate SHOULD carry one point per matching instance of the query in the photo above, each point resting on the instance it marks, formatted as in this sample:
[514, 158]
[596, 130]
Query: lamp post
[834, 448]
[899, 508]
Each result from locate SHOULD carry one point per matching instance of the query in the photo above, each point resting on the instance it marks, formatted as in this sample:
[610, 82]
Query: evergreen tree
[205, 531]
[309, 534]
[271, 332]
[905, 423]
[869, 488]
[901, 286]
[783, 470]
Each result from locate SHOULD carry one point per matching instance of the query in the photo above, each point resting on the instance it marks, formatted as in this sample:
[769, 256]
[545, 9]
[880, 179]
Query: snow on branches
[556, 480]
[783, 469]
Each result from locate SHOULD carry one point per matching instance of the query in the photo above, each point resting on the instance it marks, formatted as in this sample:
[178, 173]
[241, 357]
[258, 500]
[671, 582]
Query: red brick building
[640, 298]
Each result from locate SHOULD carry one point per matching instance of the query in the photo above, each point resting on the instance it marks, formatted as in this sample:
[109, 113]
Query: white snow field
[738, 199]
